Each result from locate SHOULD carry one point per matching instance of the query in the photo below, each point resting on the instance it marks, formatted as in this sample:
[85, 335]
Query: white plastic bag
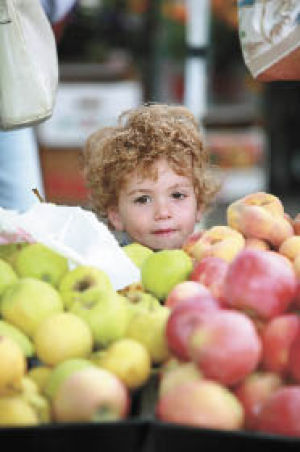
[28, 64]
[75, 233]
[269, 33]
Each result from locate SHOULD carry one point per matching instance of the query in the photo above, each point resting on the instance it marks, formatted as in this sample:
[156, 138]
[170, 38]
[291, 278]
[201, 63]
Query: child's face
[159, 214]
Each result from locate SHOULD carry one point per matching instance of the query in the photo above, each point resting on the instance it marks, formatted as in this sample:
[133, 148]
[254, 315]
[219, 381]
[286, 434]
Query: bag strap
[4, 16]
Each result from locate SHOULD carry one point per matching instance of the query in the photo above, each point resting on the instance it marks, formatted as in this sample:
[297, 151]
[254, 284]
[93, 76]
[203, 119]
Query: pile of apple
[72, 349]
[217, 321]
[234, 327]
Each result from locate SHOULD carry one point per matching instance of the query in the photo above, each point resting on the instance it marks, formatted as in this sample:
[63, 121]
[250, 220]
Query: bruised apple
[201, 403]
[225, 346]
[260, 283]
[260, 215]
[210, 272]
[280, 413]
[186, 290]
[182, 320]
[253, 391]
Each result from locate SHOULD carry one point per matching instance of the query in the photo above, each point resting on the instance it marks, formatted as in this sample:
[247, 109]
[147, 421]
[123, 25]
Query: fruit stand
[146, 351]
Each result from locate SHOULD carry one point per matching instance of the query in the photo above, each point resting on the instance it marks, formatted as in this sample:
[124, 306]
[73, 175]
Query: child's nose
[162, 210]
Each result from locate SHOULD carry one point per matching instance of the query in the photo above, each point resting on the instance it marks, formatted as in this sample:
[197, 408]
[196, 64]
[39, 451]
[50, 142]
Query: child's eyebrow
[183, 185]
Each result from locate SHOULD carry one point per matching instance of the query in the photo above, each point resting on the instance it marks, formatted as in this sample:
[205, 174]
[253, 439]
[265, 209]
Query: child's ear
[115, 218]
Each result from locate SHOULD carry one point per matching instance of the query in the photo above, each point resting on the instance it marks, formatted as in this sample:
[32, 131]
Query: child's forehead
[157, 169]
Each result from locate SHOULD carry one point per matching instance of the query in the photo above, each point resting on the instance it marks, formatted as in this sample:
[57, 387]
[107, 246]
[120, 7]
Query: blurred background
[116, 54]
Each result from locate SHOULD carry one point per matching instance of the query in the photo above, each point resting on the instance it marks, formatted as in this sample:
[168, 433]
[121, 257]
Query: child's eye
[144, 199]
[178, 195]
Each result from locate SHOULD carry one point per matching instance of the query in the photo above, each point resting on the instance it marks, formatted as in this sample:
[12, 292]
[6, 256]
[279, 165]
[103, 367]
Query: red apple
[261, 283]
[211, 272]
[294, 359]
[183, 318]
[201, 403]
[91, 394]
[277, 337]
[253, 391]
[296, 301]
[280, 412]
[186, 290]
[226, 346]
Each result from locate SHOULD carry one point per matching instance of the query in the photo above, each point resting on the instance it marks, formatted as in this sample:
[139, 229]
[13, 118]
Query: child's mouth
[163, 232]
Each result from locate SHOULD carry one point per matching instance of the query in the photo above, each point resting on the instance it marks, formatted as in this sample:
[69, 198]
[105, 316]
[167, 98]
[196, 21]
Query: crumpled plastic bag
[269, 34]
[75, 233]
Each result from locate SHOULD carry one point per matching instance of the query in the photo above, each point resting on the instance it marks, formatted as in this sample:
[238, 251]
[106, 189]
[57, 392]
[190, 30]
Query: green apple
[148, 327]
[84, 281]
[7, 329]
[9, 251]
[107, 316]
[162, 270]
[61, 371]
[31, 395]
[62, 336]
[27, 302]
[38, 261]
[137, 253]
[40, 374]
[16, 412]
[7, 275]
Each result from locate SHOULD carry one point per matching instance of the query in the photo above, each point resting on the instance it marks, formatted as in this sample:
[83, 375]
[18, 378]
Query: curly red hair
[144, 135]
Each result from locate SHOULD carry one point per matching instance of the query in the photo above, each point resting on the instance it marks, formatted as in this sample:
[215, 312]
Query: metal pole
[197, 36]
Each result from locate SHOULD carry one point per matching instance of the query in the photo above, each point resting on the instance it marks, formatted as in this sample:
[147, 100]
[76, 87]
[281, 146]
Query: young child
[150, 175]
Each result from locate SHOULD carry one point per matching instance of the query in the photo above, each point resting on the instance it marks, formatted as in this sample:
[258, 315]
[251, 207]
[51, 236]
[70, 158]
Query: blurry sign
[81, 109]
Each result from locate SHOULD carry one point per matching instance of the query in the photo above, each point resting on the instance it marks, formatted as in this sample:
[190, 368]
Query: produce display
[216, 323]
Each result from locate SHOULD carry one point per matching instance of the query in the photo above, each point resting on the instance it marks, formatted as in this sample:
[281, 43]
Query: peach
[290, 247]
[220, 241]
[277, 338]
[226, 346]
[186, 290]
[252, 242]
[260, 215]
[280, 412]
[296, 224]
[201, 403]
[261, 283]
[183, 318]
[211, 271]
[253, 391]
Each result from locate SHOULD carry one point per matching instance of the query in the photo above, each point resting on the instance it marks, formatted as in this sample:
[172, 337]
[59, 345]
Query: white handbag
[28, 64]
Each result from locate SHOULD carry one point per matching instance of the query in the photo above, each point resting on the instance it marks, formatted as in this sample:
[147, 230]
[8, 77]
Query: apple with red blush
[261, 283]
[278, 336]
[186, 290]
[183, 318]
[253, 391]
[226, 346]
[280, 412]
[201, 403]
[211, 272]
